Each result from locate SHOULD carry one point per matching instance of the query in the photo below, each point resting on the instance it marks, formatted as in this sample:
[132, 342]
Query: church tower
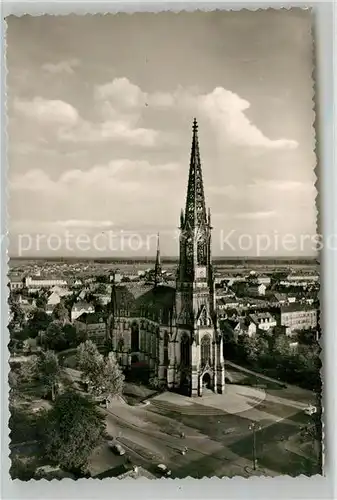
[199, 355]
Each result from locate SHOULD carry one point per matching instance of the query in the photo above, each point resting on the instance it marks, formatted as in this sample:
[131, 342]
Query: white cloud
[61, 67]
[121, 92]
[161, 100]
[256, 215]
[224, 109]
[70, 127]
[84, 223]
[226, 112]
[282, 185]
[48, 111]
[119, 131]
[116, 176]
[121, 103]
[229, 191]
[33, 180]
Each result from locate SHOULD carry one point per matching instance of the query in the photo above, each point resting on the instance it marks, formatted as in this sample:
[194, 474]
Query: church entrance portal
[139, 370]
[185, 384]
[206, 381]
[134, 359]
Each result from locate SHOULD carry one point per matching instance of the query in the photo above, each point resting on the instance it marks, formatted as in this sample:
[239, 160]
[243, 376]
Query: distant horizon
[164, 258]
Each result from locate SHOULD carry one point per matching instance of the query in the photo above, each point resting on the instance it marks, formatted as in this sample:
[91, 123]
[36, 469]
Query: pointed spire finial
[195, 211]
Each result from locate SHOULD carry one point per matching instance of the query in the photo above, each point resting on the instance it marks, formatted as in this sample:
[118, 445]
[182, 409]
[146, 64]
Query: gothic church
[174, 331]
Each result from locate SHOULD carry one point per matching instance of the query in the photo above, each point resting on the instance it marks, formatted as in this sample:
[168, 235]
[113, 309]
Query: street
[218, 441]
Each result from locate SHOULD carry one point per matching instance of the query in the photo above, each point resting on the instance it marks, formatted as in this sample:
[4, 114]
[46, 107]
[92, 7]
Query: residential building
[309, 278]
[263, 279]
[263, 320]
[224, 303]
[37, 282]
[256, 290]
[53, 299]
[284, 298]
[80, 308]
[15, 282]
[94, 325]
[298, 317]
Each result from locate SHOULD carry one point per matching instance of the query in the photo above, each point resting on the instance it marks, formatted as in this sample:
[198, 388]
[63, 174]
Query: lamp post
[254, 427]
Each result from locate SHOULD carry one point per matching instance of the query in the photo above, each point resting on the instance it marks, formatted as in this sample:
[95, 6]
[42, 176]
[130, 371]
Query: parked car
[310, 410]
[163, 470]
[117, 448]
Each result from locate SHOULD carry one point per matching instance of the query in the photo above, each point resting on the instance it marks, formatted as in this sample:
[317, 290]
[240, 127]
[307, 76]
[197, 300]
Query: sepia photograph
[164, 270]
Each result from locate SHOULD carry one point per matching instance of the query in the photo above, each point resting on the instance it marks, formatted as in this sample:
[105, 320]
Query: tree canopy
[73, 428]
[38, 321]
[41, 301]
[277, 356]
[48, 370]
[18, 314]
[103, 376]
[54, 338]
[61, 313]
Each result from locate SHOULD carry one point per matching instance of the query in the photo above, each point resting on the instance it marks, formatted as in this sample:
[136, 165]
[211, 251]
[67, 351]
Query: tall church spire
[195, 235]
[157, 267]
[195, 211]
[200, 344]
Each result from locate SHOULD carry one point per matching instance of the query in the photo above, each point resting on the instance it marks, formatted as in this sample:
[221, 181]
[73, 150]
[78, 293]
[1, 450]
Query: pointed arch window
[120, 344]
[204, 318]
[166, 356]
[134, 337]
[185, 350]
[205, 350]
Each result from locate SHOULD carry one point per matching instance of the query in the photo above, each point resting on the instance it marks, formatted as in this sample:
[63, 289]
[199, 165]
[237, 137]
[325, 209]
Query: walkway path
[256, 374]
[236, 399]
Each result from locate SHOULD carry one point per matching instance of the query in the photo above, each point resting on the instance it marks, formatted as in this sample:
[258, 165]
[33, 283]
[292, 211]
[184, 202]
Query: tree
[104, 377]
[38, 321]
[49, 372]
[73, 428]
[232, 312]
[70, 300]
[18, 314]
[61, 313]
[88, 357]
[256, 348]
[73, 337]
[308, 336]
[28, 370]
[103, 278]
[101, 289]
[112, 378]
[41, 302]
[98, 304]
[22, 469]
[54, 337]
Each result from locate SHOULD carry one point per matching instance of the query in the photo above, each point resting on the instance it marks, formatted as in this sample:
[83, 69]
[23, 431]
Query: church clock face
[201, 272]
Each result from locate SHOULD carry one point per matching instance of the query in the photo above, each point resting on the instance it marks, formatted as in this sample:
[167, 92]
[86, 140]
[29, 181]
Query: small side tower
[157, 267]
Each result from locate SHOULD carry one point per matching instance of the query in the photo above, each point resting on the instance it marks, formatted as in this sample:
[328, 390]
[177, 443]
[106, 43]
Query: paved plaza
[215, 430]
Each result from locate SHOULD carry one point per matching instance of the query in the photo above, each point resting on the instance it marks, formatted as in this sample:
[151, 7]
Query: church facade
[175, 331]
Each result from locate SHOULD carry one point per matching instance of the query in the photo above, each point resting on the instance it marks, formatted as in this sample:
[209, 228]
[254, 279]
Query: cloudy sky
[100, 116]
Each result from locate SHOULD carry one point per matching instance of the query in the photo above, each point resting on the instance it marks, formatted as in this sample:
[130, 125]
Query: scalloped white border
[281, 487]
